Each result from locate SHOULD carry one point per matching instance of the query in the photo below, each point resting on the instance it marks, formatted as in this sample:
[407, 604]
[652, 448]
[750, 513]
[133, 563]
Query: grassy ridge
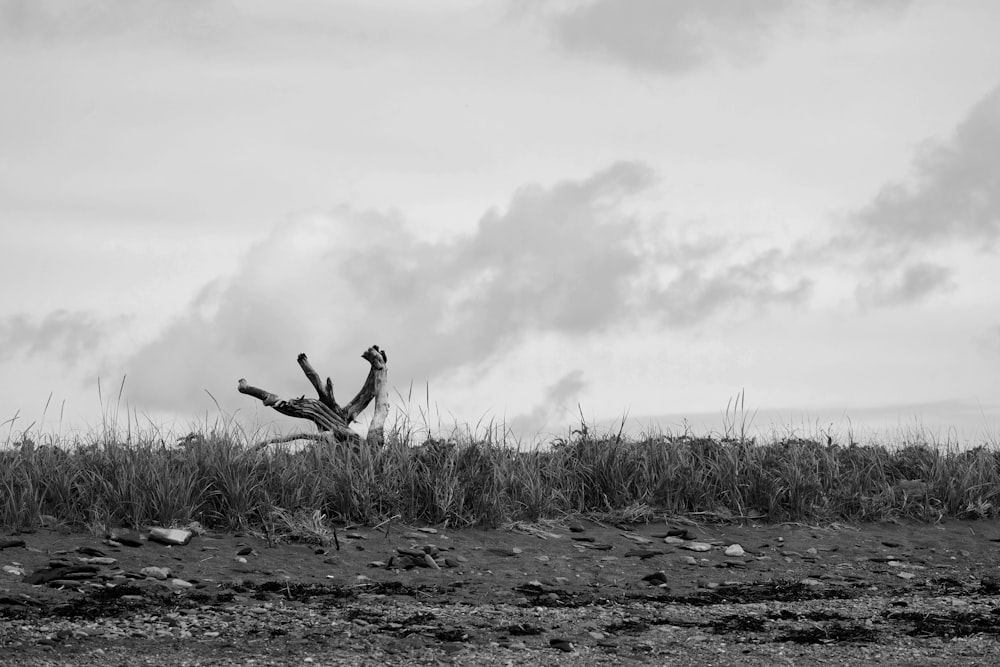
[219, 479]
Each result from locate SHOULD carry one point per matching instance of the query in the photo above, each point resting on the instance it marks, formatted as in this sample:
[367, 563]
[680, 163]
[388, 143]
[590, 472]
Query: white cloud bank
[677, 36]
[951, 198]
[568, 260]
[578, 260]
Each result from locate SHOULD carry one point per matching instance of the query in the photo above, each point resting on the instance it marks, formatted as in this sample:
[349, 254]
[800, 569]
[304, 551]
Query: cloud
[912, 283]
[953, 194]
[552, 406]
[676, 36]
[49, 20]
[567, 260]
[70, 336]
[900, 245]
[695, 293]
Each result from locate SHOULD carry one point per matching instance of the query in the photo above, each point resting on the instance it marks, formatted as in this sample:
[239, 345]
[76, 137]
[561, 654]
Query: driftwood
[332, 419]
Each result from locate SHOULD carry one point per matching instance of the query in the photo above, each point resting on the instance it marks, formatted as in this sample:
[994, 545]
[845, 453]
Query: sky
[540, 210]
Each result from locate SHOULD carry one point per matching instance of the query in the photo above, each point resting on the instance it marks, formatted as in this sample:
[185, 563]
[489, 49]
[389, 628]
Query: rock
[170, 536]
[245, 551]
[430, 562]
[404, 562]
[564, 645]
[180, 583]
[412, 553]
[639, 539]
[125, 537]
[16, 571]
[734, 550]
[100, 560]
[656, 578]
[49, 574]
[642, 554]
[906, 575]
[90, 551]
[505, 552]
[161, 573]
[7, 543]
[697, 546]
[670, 539]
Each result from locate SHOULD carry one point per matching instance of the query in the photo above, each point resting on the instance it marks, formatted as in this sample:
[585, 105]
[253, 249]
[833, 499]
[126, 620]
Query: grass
[220, 478]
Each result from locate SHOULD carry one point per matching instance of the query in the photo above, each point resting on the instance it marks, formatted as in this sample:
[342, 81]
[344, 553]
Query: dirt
[890, 593]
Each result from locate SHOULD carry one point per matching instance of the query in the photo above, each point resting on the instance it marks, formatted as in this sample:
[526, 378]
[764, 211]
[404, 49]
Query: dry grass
[220, 478]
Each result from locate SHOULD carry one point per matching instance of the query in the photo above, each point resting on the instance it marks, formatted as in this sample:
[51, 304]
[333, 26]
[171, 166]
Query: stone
[642, 554]
[656, 578]
[49, 574]
[564, 645]
[734, 550]
[100, 560]
[90, 551]
[126, 538]
[170, 536]
[161, 573]
[697, 546]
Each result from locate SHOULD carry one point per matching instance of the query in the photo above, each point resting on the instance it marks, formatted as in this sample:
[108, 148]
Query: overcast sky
[637, 206]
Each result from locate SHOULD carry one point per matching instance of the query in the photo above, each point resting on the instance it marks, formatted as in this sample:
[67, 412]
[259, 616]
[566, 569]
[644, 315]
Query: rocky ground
[571, 593]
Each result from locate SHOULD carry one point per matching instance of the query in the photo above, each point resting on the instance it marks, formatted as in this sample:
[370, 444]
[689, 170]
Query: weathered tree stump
[333, 420]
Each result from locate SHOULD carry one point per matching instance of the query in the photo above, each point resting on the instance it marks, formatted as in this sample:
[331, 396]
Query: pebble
[735, 550]
[564, 645]
[156, 572]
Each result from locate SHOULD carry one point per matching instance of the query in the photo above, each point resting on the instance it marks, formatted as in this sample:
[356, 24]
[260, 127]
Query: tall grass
[222, 479]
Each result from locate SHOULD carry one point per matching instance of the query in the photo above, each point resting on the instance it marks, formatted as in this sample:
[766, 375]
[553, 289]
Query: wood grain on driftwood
[332, 419]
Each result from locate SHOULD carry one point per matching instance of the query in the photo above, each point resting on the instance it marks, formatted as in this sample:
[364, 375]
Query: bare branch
[331, 419]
